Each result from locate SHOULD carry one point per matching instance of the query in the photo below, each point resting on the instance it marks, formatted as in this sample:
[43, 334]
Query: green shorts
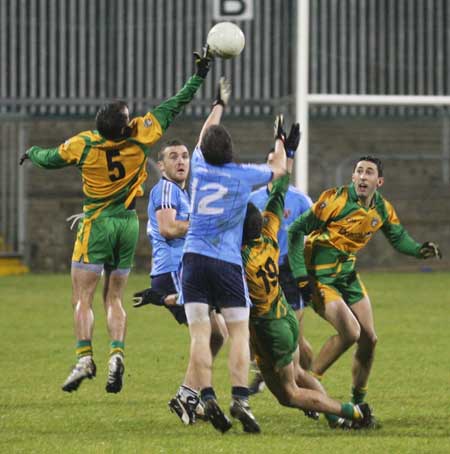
[274, 341]
[346, 286]
[109, 241]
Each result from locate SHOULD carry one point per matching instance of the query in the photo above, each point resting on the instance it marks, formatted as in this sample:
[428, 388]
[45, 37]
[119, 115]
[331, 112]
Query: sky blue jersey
[166, 254]
[219, 197]
[295, 204]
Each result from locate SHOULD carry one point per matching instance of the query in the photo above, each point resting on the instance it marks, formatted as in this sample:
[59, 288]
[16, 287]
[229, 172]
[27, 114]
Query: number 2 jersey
[113, 171]
[260, 258]
[219, 197]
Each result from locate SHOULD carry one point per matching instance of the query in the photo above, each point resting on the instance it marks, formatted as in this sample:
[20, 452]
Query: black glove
[292, 140]
[278, 128]
[148, 296]
[429, 250]
[223, 92]
[304, 286]
[202, 62]
[23, 158]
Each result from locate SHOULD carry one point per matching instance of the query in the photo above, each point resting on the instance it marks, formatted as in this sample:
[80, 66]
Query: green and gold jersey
[338, 226]
[113, 171]
[260, 259]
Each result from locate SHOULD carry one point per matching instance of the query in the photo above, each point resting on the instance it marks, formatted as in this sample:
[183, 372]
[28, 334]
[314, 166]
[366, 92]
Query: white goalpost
[304, 99]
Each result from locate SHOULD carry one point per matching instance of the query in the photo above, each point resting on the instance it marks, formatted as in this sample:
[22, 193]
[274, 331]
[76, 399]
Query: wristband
[290, 153]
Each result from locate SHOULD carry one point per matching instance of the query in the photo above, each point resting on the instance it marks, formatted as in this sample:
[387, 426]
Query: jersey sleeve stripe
[166, 201]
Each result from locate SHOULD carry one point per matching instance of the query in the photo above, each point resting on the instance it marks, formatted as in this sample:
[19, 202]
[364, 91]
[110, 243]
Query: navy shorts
[169, 283]
[290, 289]
[212, 281]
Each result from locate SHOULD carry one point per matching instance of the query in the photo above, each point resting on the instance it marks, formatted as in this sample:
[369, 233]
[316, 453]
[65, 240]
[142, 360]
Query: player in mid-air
[339, 225]
[274, 327]
[212, 265]
[112, 160]
[295, 204]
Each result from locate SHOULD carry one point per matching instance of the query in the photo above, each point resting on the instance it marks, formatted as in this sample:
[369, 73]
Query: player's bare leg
[239, 353]
[348, 330]
[84, 283]
[282, 383]
[171, 300]
[219, 333]
[186, 403]
[199, 372]
[304, 379]
[365, 350]
[116, 319]
[306, 352]
[236, 319]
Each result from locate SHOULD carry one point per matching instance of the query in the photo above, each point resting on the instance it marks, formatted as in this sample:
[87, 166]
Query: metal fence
[67, 57]
[12, 196]
[386, 47]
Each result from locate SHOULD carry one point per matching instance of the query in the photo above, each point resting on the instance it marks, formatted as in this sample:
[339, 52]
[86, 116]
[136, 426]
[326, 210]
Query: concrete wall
[414, 185]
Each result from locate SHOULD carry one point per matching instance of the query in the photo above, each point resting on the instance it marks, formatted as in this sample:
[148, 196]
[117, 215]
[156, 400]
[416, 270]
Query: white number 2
[204, 202]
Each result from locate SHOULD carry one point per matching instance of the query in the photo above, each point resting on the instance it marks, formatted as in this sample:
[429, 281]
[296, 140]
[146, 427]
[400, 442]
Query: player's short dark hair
[217, 146]
[252, 224]
[376, 161]
[112, 122]
[272, 150]
[167, 144]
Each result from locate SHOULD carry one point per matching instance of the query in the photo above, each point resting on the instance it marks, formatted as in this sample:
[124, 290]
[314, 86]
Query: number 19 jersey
[219, 197]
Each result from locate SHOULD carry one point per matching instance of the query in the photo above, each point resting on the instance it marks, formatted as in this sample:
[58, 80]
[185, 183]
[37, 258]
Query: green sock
[117, 348]
[84, 348]
[358, 395]
[348, 410]
[332, 419]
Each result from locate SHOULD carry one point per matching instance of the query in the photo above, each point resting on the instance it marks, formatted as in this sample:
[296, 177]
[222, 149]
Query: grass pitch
[409, 387]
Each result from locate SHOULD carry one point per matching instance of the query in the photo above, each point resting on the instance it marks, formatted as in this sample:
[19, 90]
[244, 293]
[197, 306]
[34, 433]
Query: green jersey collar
[354, 197]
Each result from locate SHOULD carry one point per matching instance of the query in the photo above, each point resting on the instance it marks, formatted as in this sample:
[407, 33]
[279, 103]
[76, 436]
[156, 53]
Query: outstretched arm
[218, 107]
[47, 158]
[68, 153]
[400, 239]
[275, 204]
[278, 162]
[167, 110]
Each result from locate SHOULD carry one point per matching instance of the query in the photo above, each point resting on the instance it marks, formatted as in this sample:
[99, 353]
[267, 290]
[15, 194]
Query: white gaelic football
[225, 40]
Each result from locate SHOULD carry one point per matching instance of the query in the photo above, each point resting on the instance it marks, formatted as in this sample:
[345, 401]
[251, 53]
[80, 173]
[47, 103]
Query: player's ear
[160, 165]
[380, 182]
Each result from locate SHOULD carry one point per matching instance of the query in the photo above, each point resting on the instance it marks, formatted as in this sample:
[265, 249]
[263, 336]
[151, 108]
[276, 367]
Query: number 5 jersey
[113, 171]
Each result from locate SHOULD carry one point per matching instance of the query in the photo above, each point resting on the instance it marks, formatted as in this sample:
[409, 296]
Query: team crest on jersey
[374, 222]
[286, 214]
[148, 122]
[323, 205]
